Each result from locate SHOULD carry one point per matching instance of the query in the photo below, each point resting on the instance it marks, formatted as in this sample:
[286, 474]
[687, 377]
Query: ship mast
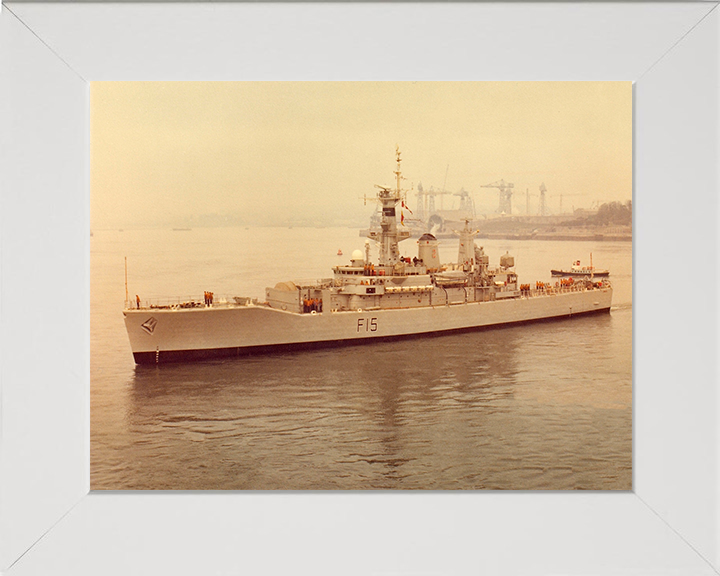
[466, 252]
[397, 172]
[389, 236]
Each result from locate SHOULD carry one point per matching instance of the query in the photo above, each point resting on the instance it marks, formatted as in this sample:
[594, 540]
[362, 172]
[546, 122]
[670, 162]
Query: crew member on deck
[137, 299]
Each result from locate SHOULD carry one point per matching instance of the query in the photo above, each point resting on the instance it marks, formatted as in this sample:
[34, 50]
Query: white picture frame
[51, 523]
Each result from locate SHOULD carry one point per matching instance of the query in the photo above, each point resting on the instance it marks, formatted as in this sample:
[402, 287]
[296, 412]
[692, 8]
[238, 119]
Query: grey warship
[363, 301]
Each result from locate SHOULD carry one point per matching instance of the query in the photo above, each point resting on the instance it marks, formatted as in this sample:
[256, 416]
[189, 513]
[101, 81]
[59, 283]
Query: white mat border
[52, 43]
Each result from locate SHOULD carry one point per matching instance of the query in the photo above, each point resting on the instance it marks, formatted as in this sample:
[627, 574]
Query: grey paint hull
[191, 334]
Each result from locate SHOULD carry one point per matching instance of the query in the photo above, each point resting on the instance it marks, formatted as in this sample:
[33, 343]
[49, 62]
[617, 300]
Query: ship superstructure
[363, 301]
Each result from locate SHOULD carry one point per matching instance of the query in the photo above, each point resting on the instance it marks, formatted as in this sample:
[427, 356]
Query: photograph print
[361, 285]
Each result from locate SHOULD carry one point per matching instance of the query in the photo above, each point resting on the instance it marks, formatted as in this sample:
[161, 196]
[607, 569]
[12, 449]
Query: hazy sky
[163, 152]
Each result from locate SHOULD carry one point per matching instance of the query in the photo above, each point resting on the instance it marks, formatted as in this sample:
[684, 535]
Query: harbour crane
[527, 200]
[566, 195]
[506, 190]
[543, 194]
[543, 209]
[426, 200]
[467, 205]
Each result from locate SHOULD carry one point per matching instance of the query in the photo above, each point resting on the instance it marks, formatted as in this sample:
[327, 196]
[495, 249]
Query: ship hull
[600, 274]
[164, 335]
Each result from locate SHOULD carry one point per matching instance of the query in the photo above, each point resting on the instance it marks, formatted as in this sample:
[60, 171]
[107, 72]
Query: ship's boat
[579, 271]
[364, 301]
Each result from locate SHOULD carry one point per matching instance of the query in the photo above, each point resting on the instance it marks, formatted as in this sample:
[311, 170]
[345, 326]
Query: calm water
[542, 406]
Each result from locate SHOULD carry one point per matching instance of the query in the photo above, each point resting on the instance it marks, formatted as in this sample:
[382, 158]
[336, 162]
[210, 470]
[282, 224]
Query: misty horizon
[181, 154]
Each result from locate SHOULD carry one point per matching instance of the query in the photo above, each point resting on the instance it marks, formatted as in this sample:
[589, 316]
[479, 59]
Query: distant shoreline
[570, 237]
[555, 236]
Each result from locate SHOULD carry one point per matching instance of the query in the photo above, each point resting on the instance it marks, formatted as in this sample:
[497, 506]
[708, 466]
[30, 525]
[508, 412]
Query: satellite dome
[357, 255]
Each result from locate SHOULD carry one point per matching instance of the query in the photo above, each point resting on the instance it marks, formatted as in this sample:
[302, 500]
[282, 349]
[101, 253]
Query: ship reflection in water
[450, 412]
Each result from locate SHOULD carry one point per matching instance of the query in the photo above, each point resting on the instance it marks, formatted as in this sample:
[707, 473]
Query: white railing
[185, 302]
[313, 283]
[551, 289]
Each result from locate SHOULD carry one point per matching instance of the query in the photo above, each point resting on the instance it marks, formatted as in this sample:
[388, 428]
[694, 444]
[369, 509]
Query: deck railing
[184, 302]
[549, 290]
[226, 301]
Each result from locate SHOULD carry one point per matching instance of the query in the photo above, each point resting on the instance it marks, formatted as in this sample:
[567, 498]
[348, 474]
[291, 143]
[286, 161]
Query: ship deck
[225, 302]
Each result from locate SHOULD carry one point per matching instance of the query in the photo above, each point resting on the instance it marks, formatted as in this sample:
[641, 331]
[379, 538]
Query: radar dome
[357, 255]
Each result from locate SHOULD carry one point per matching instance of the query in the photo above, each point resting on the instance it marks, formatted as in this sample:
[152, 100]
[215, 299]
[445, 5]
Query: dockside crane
[566, 195]
[467, 206]
[506, 191]
[543, 195]
[527, 200]
[426, 201]
[543, 209]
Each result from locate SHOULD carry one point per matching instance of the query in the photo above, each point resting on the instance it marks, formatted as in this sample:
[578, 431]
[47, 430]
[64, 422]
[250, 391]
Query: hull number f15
[365, 325]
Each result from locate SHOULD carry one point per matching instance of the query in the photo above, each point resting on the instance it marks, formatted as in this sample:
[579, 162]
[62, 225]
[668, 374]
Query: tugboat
[363, 301]
[577, 270]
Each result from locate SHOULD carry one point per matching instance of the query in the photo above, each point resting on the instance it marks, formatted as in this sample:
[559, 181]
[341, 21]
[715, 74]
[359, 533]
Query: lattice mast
[389, 235]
